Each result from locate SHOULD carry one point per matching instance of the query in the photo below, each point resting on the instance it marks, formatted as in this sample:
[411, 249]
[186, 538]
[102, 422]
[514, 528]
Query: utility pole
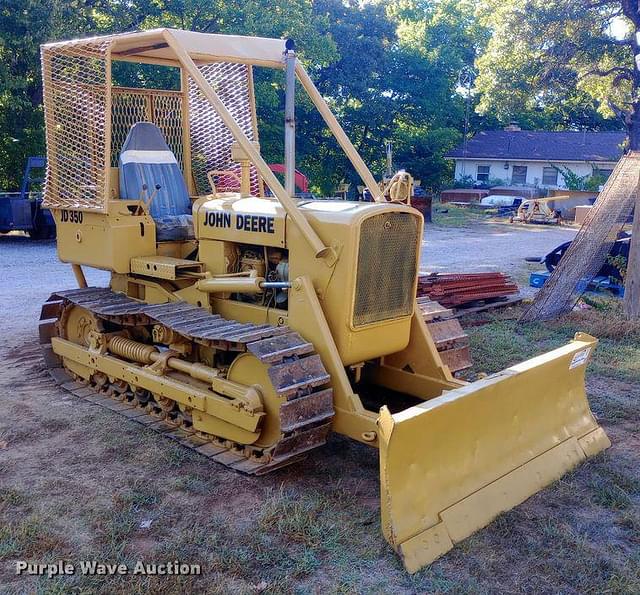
[465, 80]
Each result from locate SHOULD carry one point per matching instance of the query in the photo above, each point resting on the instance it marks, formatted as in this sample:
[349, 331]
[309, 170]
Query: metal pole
[290, 119]
[276, 285]
[389, 147]
[319, 248]
[79, 275]
[466, 128]
[465, 79]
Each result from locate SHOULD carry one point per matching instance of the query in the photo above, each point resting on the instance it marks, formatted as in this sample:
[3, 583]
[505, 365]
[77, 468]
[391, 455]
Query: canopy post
[338, 132]
[319, 248]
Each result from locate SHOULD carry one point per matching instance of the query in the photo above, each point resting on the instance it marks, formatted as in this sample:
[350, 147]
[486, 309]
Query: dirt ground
[491, 246]
[78, 483]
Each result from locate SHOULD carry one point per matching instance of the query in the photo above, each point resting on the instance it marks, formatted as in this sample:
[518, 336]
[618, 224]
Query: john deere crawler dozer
[248, 327]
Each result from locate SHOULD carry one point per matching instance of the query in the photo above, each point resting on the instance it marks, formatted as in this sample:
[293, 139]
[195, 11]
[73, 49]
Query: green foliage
[544, 64]
[620, 263]
[24, 24]
[390, 71]
[573, 181]
[465, 181]
[468, 181]
[596, 180]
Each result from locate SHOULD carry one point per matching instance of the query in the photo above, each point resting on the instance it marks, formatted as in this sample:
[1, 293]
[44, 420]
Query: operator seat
[149, 170]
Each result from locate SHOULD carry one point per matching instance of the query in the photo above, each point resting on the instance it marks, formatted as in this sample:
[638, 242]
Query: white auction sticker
[580, 358]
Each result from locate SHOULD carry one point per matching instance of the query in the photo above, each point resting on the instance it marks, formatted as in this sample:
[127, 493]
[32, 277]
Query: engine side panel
[243, 220]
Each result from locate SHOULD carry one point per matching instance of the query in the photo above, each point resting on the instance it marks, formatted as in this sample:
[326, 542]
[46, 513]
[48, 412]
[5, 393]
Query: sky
[618, 28]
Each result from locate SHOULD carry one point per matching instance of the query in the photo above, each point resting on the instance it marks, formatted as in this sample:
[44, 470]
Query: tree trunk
[632, 280]
[632, 121]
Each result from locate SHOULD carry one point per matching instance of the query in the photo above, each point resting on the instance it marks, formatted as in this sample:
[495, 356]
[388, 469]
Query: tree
[24, 25]
[388, 70]
[436, 42]
[551, 56]
[354, 83]
[556, 64]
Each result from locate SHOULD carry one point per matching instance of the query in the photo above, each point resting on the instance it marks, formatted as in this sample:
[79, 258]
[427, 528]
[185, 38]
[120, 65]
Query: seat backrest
[146, 159]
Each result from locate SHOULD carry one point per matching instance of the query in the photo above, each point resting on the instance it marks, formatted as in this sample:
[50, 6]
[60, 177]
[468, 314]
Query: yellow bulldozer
[249, 326]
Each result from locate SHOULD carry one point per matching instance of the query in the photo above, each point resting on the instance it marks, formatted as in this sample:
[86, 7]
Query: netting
[210, 138]
[163, 108]
[75, 92]
[592, 244]
[166, 114]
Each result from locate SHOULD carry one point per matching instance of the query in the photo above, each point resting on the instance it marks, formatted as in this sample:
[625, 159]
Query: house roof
[542, 146]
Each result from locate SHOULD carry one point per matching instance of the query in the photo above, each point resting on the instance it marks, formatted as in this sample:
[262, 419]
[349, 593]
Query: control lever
[145, 205]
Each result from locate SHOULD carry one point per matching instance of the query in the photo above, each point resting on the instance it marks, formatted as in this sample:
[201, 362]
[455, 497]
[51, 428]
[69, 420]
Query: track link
[295, 370]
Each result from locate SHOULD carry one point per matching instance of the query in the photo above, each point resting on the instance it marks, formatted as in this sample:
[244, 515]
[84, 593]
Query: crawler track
[296, 373]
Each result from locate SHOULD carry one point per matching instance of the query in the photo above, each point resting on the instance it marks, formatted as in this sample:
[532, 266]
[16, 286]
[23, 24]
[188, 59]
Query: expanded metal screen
[75, 92]
[591, 246]
[81, 148]
[387, 268]
[163, 108]
[210, 138]
[127, 108]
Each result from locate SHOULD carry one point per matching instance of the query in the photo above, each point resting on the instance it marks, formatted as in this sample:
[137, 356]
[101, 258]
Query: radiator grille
[387, 268]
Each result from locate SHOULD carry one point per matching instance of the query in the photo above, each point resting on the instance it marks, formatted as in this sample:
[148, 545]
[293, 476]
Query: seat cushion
[174, 228]
[147, 161]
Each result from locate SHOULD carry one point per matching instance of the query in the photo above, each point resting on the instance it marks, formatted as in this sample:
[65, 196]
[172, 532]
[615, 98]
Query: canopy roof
[152, 46]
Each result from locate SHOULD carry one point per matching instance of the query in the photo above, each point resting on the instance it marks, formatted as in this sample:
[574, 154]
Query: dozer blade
[450, 465]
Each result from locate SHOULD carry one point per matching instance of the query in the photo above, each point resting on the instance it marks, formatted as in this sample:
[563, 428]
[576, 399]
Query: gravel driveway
[489, 246]
[29, 273]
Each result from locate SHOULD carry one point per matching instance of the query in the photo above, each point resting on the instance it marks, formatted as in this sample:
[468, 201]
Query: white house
[522, 157]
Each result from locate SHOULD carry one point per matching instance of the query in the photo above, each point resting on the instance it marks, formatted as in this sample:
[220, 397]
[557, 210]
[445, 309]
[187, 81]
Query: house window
[549, 176]
[483, 173]
[519, 174]
[605, 173]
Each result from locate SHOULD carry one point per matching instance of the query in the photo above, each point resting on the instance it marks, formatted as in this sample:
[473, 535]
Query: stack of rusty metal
[455, 290]
[451, 341]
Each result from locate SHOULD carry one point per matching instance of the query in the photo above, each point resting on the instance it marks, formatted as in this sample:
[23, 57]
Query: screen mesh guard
[76, 89]
[387, 268]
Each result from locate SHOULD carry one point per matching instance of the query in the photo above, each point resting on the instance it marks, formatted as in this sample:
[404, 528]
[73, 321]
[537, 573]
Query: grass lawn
[77, 483]
[447, 215]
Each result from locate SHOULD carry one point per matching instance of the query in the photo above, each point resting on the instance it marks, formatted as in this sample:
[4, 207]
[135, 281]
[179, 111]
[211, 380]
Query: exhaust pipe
[290, 118]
